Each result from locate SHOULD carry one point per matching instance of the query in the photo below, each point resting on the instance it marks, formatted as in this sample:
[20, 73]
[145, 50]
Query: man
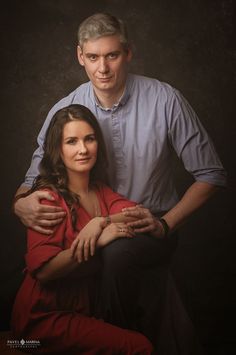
[143, 120]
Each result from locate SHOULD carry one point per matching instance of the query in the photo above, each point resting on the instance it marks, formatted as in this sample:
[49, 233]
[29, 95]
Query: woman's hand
[85, 243]
[114, 231]
[145, 223]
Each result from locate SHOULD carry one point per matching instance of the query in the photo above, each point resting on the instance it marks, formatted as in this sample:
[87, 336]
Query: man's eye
[92, 58]
[113, 56]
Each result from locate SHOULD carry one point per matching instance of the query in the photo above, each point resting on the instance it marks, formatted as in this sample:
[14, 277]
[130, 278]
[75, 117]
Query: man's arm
[195, 197]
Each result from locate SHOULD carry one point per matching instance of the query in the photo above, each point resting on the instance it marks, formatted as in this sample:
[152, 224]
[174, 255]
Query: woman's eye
[90, 139]
[71, 141]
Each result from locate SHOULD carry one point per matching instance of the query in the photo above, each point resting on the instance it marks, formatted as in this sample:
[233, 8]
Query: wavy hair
[53, 173]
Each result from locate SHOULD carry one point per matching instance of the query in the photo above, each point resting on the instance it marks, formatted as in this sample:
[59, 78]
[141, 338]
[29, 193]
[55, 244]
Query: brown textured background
[188, 43]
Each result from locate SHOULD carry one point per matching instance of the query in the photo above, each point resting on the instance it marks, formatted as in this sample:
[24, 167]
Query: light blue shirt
[141, 131]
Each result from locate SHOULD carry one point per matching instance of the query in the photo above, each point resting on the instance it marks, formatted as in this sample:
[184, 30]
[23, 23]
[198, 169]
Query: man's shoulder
[151, 87]
[146, 83]
[83, 90]
[81, 95]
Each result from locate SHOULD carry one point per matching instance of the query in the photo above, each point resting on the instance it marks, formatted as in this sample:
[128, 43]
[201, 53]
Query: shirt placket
[117, 145]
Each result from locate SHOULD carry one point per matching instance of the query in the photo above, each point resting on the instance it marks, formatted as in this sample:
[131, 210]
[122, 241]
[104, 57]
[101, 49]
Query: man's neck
[108, 99]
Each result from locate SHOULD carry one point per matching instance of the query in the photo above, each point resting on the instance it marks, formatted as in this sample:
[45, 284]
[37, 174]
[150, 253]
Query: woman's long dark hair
[52, 170]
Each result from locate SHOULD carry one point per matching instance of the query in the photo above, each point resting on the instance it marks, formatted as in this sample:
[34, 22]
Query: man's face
[106, 63]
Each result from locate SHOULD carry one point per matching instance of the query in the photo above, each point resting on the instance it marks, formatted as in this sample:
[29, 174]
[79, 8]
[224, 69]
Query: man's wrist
[165, 227]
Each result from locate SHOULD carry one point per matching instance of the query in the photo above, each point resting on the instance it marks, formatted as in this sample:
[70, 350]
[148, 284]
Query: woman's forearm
[59, 266]
[121, 218]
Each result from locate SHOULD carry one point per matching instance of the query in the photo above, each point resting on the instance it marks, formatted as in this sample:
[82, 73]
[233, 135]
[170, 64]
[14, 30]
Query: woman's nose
[82, 149]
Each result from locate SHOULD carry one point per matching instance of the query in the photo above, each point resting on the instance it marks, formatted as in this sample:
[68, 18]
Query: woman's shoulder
[55, 198]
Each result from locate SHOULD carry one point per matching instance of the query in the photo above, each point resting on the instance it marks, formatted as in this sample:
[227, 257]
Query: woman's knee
[118, 256]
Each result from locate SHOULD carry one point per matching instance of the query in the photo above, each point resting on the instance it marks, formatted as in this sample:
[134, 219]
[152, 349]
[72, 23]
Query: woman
[58, 299]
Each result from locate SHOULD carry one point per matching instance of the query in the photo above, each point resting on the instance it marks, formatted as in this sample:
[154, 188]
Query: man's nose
[103, 66]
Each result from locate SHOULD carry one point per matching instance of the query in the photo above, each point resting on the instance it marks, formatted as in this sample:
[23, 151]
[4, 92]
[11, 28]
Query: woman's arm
[59, 266]
[121, 218]
[66, 261]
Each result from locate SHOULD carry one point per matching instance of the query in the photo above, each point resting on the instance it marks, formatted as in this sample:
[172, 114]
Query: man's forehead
[103, 44]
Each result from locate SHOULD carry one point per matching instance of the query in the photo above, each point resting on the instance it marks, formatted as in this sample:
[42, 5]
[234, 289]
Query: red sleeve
[41, 247]
[115, 202]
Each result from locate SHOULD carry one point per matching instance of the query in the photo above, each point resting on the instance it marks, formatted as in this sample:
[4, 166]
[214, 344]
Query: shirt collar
[122, 101]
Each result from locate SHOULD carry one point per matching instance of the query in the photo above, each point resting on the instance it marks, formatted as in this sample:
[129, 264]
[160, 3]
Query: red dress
[59, 313]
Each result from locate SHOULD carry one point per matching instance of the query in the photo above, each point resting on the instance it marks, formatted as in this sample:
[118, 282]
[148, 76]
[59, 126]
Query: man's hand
[145, 223]
[37, 216]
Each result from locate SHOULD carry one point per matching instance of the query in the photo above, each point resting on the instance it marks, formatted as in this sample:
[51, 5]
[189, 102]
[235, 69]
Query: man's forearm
[22, 189]
[196, 196]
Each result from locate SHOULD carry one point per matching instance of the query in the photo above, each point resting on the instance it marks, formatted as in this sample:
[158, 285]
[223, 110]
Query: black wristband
[165, 227]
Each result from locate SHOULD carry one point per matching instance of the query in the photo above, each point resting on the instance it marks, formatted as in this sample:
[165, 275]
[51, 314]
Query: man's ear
[129, 54]
[80, 55]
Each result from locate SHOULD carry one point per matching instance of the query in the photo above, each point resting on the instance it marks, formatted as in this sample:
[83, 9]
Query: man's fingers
[133, 213]
[52, 216]
[51, 209]
[44, 195]
[143, 229]
[43, 230]
[48, 223]
[132, 208]
[138, 223]
[127, 209]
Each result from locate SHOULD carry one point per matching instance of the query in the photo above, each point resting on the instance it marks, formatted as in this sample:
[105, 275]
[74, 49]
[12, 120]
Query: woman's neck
[87, 197]
[79, 184]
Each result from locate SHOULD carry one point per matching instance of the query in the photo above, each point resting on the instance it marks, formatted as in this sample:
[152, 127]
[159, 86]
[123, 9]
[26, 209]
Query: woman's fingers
[123, 230]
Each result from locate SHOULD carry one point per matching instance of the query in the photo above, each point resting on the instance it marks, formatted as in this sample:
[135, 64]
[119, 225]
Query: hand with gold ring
[114, 231]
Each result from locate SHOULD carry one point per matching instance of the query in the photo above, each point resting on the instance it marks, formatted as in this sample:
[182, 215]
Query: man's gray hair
[100, 25]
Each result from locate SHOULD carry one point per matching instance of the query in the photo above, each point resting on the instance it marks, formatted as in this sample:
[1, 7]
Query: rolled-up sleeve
[193, 144]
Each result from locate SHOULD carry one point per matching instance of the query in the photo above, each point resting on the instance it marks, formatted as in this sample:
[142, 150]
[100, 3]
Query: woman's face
[79, 147]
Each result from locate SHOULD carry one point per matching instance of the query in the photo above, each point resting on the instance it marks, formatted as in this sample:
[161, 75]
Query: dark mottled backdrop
[189, 44]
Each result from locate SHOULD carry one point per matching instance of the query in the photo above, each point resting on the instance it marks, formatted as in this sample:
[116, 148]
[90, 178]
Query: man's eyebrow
[90, 53]
[95, 54]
